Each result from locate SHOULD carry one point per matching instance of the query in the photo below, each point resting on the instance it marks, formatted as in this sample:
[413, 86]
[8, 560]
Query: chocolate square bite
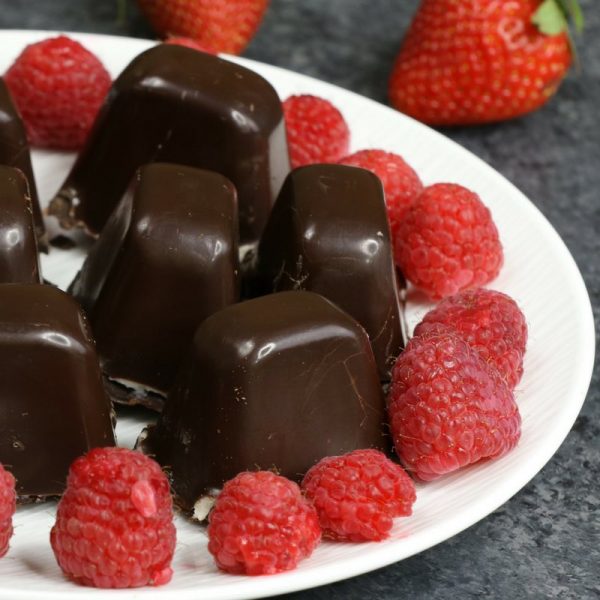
[18, 246]
[178, 105]
[166, 260]
[54, 407]
[277, 382]
[14, 152]
[328, 233]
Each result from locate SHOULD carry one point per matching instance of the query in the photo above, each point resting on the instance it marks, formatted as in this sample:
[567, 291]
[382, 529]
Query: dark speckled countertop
[544, 542]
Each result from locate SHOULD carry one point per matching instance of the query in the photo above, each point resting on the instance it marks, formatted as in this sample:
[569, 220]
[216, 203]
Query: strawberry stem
[121, 13]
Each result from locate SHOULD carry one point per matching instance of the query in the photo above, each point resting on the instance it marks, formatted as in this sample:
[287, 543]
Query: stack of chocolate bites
[257, 309]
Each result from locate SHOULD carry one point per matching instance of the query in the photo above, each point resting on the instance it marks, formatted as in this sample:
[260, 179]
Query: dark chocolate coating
[178, 105]
[328, 233]
[14, 152]
[18, 246]
[53, 406]
[166, 260]
[275, 382]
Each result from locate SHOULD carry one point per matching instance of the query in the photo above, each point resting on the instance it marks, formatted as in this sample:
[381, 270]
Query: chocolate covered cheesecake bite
[178, 105]
[18, 246]
[328, 233]
[14, 152]
[54, 407]
[277, 382]
[166, 260]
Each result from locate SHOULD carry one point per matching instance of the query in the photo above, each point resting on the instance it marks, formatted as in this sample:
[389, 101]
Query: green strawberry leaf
[554, 16]
[550, 18]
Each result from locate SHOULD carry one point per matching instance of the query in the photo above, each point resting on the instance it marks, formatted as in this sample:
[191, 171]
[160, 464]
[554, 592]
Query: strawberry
[478, 61]
[217, 25]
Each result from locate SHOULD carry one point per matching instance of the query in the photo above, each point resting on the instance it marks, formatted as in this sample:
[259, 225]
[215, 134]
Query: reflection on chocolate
[53, 406]
[166, 260]
[275, 382]
[14, 152]
[18, 246]
[328, 233]
[182, 106]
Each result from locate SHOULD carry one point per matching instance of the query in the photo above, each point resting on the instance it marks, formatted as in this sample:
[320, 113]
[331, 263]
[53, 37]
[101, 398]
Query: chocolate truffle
[328, 233]
[53, 407]
[178, 105]
[14, 152]
[18, 246]
[166, 260]
[275, 382]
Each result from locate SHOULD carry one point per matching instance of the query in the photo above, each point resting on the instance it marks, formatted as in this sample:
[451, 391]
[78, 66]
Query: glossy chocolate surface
[275, 382]
[328, 233]
[18, 246]
[53, 406]
[14, 152]
[166, 260]
[178, 105]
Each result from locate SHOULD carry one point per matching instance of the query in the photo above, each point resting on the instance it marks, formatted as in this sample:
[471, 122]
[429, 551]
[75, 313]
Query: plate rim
[378, 555]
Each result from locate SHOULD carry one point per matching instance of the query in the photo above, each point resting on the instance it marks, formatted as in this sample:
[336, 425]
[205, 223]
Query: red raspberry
[448, 241]
[490, 322]
[447, 407]
[8, 504]
[58, 86]
[358, 494]
[114, 526]
[261, 524]
[316, 130]
[189, 43]
[400, 181]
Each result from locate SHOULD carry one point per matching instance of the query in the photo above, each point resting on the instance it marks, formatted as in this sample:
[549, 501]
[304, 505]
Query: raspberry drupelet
[447, 407]
[8, 503]
[316, 130]
[58, 87]
[490, 322]
[114, 525]
[357, 495]
[261, 524]
[447, 241]
[401, 183]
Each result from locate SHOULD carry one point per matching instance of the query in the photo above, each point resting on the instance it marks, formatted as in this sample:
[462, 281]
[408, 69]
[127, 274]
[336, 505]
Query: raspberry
[189, 43]
[261, 524]
[114, 525]
[316, 130]
[447, 407]
[448, 241]
[8, 504]
[58, 86]
[490, 322]
[400, 182]
[358, 494]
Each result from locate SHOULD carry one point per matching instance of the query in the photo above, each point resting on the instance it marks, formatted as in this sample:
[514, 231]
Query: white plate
[539, 273]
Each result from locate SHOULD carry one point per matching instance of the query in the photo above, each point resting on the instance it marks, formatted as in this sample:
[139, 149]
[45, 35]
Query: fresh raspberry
[448, 241]
[114, 526]
[316, 130]
[447, 407]
[400, 181]
[490, 322]
[58, 87]
[8, 504]
[190, 43]
[358, 494]
[261, 524]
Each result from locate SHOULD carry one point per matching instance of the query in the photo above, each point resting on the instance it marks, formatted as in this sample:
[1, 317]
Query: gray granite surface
[545, 542]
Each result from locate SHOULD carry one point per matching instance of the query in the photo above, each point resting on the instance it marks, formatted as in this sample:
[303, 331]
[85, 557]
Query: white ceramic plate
[539, 273]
